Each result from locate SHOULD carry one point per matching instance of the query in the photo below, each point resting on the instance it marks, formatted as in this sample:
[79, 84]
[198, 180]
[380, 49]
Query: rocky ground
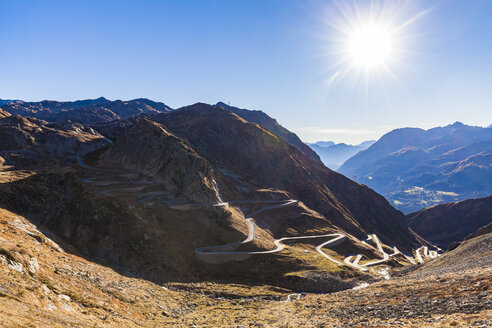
[46, 285]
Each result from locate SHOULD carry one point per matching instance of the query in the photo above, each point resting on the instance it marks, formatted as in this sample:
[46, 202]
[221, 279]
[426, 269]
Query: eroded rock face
[150, 149]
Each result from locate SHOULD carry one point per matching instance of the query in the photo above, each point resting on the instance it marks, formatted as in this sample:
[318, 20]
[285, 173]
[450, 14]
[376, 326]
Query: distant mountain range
[416, 168]
[334, 155]
[102, 110]
[83, 111]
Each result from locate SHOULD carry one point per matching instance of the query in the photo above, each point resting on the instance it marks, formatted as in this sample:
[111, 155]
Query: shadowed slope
[150, 149]
[451, 222]
[271, 124]
[265, 160]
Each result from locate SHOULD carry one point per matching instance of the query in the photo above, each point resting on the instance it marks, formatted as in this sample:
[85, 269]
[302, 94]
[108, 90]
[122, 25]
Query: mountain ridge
[416, 168]
[102, 109]
[446, 223]
[334, 155]
[271, 124]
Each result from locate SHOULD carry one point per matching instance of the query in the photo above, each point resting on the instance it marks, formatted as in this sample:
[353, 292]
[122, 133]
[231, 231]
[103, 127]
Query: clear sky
[280, 56]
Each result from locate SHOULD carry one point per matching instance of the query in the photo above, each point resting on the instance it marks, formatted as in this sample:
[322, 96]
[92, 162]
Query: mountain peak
[457, 124]
[271, 124]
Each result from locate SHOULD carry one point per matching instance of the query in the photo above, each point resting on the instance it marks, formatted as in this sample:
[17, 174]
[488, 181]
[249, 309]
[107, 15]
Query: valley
[65, 289]
[163, 218]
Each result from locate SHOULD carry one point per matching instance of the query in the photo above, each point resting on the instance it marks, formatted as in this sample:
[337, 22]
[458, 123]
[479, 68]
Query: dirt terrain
[48, 285]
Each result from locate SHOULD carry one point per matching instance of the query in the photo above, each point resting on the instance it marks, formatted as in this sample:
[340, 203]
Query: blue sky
[269, 55]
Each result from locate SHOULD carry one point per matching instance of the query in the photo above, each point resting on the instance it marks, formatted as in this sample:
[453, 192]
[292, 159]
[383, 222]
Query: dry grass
[101, 297]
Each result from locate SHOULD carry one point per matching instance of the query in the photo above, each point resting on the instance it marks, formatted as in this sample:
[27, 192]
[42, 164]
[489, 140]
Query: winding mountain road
[336, 238]
[137, 190]
[228, 249]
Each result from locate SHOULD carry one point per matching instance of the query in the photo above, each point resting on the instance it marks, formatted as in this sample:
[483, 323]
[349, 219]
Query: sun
[370, 45]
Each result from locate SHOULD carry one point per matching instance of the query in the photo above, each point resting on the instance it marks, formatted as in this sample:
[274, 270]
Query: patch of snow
[46, 290]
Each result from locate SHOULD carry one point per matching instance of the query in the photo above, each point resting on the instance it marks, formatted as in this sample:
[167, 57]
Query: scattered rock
[50, 307]
[15, 266]
[33, 265]
[64, 297]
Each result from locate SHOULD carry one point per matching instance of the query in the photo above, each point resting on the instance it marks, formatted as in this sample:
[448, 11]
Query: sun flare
[370, 45]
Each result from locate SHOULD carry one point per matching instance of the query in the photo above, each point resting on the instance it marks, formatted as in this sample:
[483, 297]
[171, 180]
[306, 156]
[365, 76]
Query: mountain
[87, 111]
[200, 193]
[4, 101]
[473, 253]
[29, 141]
[3, 114]
[149, 149]
[47, 281]
[416, 168]
[88, 115]
[259, 117]
[444, 224]
[334, 155]
[169, 218]
[323, 143]
[229, 142]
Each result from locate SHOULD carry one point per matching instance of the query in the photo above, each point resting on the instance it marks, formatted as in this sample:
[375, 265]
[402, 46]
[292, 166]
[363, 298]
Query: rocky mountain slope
[199, 217]
[30, 142]
[89, 115]
[3, 113]
[474, 253]
[259, 117]
[84, 111]
[415, 168]
[334, 155]
[151, 150]
[480, 231]
[172, 183]
[46, 283]
[444, 224]
[229, 143]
